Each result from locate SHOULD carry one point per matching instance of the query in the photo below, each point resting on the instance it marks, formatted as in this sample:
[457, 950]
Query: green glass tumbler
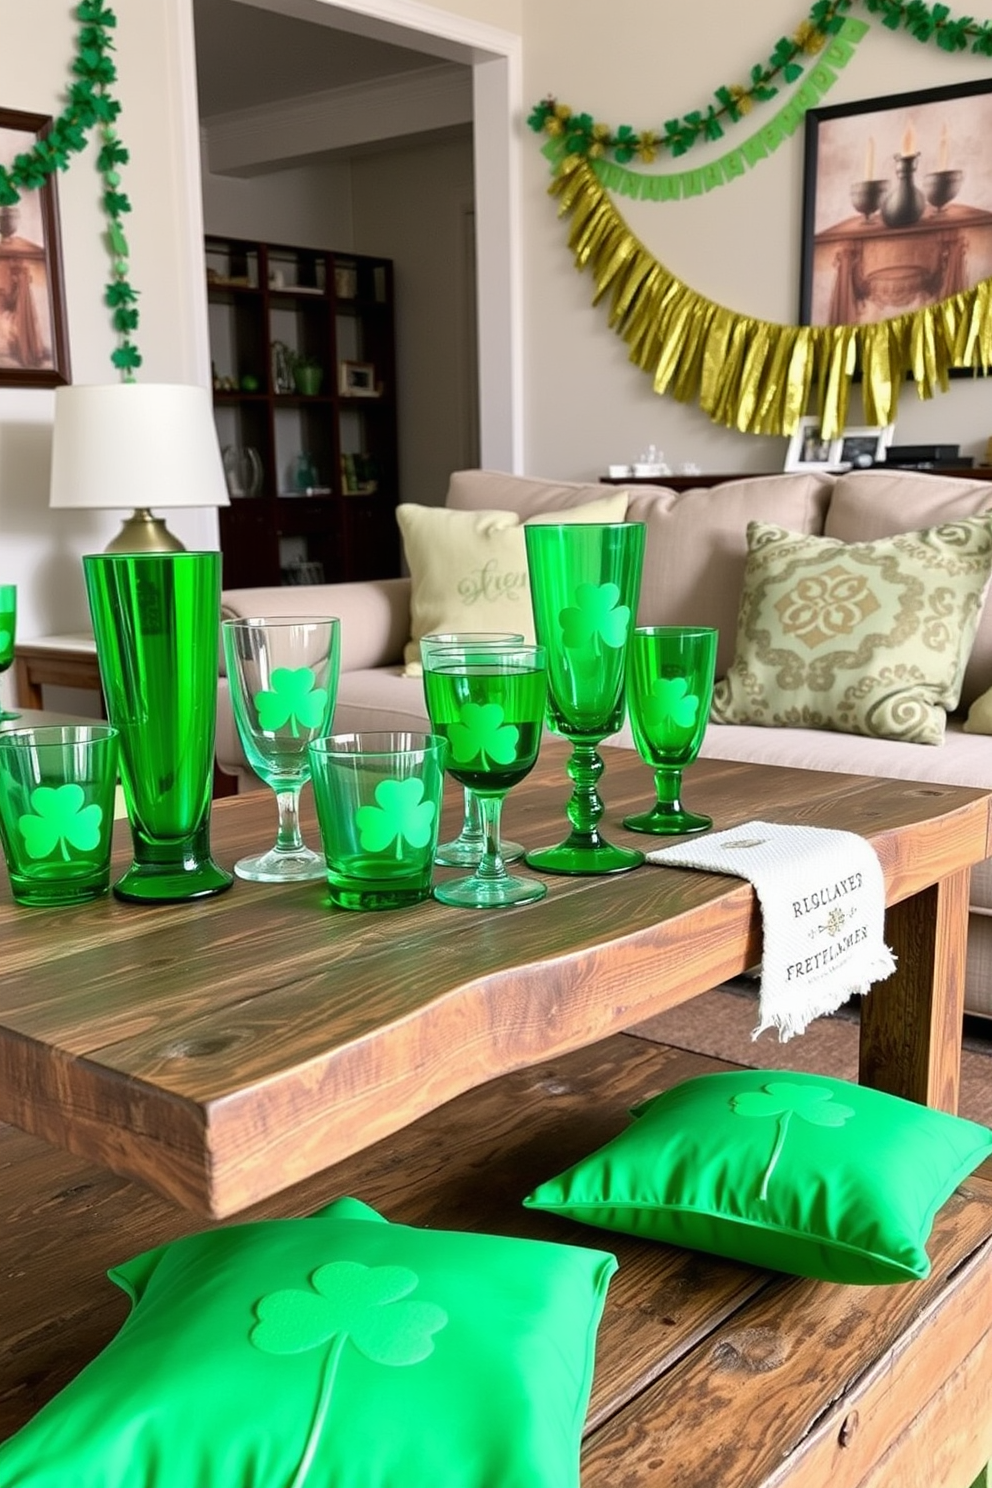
[669, 691]
[156, 618]
[585, 581]
[8, 627]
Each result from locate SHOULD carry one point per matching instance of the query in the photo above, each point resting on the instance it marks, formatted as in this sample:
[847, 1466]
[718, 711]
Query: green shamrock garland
[90, 107]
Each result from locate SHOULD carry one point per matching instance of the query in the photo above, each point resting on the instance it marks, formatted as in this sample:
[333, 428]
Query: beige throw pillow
[468, 569]
[865, 638]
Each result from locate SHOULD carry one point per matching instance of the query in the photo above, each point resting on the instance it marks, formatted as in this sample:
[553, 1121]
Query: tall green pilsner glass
[156, 618]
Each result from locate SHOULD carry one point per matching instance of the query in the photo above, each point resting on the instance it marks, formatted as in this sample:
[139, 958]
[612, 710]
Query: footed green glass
[8, 626]
[669, 690]
[156, 618]
[585, 581]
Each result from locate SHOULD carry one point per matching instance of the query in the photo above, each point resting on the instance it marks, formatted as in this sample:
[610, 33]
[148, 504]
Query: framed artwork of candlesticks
[34, 347]
[897, 203]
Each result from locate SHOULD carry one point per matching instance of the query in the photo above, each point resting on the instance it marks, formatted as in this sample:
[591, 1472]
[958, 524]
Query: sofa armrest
[374, 615]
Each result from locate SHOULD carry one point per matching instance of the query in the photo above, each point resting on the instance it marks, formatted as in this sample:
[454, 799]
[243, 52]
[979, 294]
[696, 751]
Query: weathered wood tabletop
[223, 1049]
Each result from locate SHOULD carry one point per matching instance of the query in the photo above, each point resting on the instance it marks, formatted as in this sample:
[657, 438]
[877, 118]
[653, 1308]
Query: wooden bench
[709, 1374]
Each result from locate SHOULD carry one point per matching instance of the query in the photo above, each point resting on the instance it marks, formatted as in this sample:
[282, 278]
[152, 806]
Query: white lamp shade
[134, 444]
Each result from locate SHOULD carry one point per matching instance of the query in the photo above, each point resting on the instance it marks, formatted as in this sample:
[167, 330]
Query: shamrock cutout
[785, 1099]
[595, 614]
[402, 813]
[480, 731]
[294, 700]
[60, 818]
[671, 708]
[349, 1300]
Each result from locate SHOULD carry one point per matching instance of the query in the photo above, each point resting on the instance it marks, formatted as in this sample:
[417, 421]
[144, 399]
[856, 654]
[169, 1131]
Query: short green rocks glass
[585, 582]
[156, 618]
[669, 690]
[8, 627]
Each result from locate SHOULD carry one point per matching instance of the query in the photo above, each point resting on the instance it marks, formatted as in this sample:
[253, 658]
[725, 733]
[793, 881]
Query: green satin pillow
[338, 1350]
[795, 1172]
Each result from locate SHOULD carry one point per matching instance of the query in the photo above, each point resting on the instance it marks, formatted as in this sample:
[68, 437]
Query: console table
[55, 661]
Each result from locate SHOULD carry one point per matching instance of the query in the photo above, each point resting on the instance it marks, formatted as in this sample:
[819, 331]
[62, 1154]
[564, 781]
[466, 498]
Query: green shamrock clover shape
[349, 1301]
[595, 614]
[401, 815]
[671, 708]
[293, 699]
[784, 1099]
[480, 731]
[60, 819]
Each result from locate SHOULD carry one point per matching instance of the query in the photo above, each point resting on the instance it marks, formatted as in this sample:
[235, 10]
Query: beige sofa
[693, 573]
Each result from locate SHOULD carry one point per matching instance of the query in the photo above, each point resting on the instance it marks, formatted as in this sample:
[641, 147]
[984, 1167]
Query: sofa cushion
[867, 638]
[374, 614]
[867, 504]
[696, 545]
[528, 496]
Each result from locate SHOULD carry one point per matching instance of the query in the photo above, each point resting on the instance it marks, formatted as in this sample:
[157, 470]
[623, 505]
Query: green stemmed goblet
[489, 703]
[283, 676]
[669, 690]
[8, 624]
[465, 850]
[585, 581]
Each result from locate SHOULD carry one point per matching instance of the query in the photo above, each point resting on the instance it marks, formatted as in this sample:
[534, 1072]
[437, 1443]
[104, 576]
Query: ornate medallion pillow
[865, 638]
[339, 1350]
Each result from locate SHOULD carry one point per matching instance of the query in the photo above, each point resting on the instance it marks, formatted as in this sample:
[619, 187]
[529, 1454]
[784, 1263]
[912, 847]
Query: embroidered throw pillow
[865, 638]
[468, 569]
[335, 1349]
[795, 1172]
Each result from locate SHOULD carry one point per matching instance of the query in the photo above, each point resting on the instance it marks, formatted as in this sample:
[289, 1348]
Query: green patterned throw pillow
[865, 638]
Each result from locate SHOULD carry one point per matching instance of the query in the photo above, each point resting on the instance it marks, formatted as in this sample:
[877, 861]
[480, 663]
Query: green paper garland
[90, 107]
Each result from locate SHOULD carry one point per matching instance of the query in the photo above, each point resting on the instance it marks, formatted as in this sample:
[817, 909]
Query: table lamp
[140, 445]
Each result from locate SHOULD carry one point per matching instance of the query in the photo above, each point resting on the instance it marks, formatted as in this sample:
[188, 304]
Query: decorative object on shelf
[650, 463]
[669, 689]
[8, 631]
[243, 470]
[156, 618]
[357, 380]
[308, 375]
[345, 281]
[118, 443]
[861, 448]
[282, 368]
[809, 449]
[34, 348]
[303, 477]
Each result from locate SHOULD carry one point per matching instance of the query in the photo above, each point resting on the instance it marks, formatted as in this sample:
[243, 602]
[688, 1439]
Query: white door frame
[496, 59]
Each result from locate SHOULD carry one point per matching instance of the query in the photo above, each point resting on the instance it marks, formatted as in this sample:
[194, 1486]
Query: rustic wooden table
[220, 1051]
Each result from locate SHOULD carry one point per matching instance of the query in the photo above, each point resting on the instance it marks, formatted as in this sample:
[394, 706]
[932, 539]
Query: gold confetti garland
[755, 375]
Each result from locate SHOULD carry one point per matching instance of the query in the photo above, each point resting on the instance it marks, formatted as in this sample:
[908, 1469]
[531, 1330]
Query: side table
[56, 661]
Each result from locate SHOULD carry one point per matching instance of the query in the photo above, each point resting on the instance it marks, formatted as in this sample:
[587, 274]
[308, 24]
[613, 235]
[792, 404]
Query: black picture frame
[897, 203]
[34, 344]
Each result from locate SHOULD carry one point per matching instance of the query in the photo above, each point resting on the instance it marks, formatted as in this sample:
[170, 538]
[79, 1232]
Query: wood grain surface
[223, 1049]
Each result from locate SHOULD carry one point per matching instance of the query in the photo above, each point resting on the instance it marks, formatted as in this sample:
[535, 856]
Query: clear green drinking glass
[585, 582]
[283, 676]
[669, 691]
[489, 704]
[8, 627]
[156, 618]
[465, 850]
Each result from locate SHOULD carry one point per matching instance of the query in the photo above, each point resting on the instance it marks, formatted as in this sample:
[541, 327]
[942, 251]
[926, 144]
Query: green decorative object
[488, 703]
[57, 786]
[585, 582]
[156, 618]
[332, 1350]
[283, 676]
[378, 798]
[8, 631]
[669, 689]
[800, 1173]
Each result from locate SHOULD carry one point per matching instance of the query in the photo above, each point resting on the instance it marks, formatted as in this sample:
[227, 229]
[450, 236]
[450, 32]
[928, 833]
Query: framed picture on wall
[34, 347]
[897, 203]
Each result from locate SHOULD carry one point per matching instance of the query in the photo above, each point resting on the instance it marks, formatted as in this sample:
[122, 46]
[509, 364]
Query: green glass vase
[156, 618]
[585, 581]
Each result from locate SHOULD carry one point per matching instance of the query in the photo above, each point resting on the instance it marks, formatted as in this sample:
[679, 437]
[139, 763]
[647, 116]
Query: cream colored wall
[586, 406]
[309, 207]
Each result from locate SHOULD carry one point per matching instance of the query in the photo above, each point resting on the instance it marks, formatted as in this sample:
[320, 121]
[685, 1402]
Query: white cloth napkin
[822, 897]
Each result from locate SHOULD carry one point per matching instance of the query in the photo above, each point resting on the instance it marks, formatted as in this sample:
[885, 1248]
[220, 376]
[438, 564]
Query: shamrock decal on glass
[671, 709]
[594, 617]
[784, 1099]
[60, 820]
[401, 815]
[348, 1301]
[293, 699]
[480, 731]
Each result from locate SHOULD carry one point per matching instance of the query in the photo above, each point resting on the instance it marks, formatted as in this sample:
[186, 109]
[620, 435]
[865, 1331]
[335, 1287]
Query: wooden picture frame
[897, 203]
[34, 345]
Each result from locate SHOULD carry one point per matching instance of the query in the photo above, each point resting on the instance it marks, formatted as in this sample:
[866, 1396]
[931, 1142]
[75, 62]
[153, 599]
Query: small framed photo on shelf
[357, 380]
[808, 450]
[860, 448]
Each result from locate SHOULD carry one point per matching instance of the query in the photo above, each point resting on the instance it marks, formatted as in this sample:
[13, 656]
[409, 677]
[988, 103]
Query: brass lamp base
[143, 533]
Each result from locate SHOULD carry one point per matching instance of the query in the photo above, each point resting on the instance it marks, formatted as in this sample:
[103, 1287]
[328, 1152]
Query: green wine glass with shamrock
[8, 624]
[283, 676]
[489, 704]
[669, 690]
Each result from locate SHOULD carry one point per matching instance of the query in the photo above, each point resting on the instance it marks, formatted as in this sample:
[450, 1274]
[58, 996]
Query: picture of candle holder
[904, 203]
[867, 196]
[941, 187]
